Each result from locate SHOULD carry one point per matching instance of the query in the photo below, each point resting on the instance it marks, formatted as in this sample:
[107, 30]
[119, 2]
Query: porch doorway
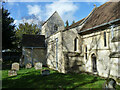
[94, 63]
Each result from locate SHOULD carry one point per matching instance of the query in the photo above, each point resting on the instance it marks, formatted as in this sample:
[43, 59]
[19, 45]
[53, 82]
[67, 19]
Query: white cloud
[30, 21]
[16, 22]
[35, 10]
[65, 9]
[32, 10]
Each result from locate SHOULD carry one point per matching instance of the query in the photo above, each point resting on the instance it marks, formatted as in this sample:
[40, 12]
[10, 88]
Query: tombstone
[15, 66]
[45, 72]
[38, 66]
[12, 73]
[111, 84]
[28, 65]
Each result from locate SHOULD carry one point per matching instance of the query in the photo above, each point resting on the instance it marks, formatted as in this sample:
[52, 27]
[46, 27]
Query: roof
[49, 17]
[33, 40]
[103, 14]
[81, 21]
[75, 24]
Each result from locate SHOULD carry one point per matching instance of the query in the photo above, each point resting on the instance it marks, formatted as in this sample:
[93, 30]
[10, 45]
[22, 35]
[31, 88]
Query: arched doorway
[94, 63]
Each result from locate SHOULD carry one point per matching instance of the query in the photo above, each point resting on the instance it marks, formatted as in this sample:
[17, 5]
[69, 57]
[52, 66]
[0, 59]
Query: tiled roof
[103, 14]
[75, 24]
[33, 40]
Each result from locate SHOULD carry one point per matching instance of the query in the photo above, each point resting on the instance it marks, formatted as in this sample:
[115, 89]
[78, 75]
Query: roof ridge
[49, 17]
[103, 14]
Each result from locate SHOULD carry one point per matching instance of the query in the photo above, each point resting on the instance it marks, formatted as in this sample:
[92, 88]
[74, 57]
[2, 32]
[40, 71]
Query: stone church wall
[95, 45]
[54, 52]
[73, 62]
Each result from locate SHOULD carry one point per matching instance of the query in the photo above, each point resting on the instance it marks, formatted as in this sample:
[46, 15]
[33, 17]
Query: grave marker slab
[15, 66]
[45, 72]
[38, 66]
[12, 73]
[29, 65]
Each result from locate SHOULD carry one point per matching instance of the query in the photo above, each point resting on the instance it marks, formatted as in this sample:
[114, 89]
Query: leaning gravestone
[112, 84]
[12, 73]
[45, 72]
[29, 65]
[38, 66]
[15, 66]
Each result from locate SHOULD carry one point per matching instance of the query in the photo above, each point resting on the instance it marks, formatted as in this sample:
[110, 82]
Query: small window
[85, 52]
[75, 44]
[55, 27]
[105, 42]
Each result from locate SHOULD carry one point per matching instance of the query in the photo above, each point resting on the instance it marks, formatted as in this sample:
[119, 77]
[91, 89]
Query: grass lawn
[31, 78]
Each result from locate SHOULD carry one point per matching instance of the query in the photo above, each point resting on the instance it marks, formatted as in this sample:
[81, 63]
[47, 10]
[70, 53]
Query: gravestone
[38, 66]
[111, 84]
[12, 73]
[28, 65]
[45, 72]
[15, 66]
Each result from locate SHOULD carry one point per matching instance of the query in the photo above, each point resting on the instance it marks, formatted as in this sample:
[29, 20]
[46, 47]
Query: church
[89, 45]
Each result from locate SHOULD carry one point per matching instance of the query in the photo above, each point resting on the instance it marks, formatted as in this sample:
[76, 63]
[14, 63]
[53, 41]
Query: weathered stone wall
[73, 62]
[68, 40]
[37, 54]
[72, 59]
[95, 45]
[48, 27]
[54, 50]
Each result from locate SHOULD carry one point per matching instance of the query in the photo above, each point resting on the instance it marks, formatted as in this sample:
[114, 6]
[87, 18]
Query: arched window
[55, 27]
[76, 44]
[85, 52]
[105, 42]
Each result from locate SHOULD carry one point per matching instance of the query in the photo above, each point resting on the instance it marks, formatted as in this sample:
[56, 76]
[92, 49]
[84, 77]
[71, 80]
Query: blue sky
[43, 10]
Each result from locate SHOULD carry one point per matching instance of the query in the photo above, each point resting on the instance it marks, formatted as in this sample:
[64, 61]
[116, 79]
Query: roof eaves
[99, 25]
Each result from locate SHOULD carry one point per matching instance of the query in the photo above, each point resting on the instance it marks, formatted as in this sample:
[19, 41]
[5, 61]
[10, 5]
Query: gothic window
[76, 44]
[85, 52]
[105, 42]
[55, 27]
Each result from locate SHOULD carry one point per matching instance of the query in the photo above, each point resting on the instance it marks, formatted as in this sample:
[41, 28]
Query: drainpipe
[56, 53]
[112, 31]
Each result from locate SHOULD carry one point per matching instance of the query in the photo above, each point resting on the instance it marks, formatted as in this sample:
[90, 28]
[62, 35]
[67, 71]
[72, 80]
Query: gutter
[108, 23]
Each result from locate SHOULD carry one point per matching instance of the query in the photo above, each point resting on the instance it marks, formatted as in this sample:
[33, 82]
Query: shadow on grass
[6, 66]
[55, 80]
[88, 82]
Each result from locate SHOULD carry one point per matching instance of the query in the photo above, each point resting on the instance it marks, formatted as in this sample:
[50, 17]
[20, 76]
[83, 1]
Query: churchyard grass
[31, 78]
